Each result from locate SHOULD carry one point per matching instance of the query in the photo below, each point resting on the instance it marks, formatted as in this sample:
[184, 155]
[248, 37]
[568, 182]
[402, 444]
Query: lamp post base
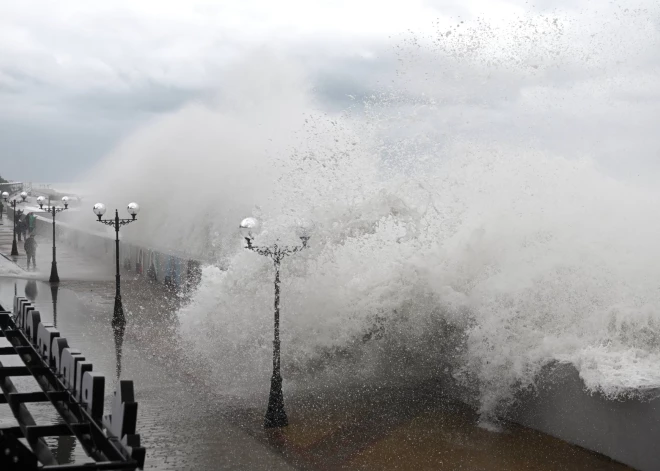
[118, 314]
[275, 415]
[118, 328]
[14, 248]
[54, 276]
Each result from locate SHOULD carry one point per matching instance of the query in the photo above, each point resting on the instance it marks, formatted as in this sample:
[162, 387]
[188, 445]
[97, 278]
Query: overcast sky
[76, 77]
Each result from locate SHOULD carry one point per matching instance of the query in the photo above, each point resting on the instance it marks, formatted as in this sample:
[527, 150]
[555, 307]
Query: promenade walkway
[71, 265]
[181, 428]
[186, 423]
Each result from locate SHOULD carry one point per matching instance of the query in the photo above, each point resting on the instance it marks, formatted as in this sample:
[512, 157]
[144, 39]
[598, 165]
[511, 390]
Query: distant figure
[19, 229]
[21, 226]
[30, 247]
[1, 209]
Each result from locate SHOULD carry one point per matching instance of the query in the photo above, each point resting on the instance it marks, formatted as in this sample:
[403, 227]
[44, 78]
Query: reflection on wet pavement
[185, 423]
[179, 430]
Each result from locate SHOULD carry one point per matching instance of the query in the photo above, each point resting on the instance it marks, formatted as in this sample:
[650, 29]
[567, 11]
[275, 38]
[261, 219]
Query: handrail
[68, 382]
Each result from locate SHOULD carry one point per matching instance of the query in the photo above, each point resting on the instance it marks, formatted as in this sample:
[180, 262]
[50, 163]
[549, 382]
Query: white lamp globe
[40, 200]
[65, 199]
[133, 209]
[99, 209]
[304, 228]
[249, 227]
[5, 195]
[23, 195]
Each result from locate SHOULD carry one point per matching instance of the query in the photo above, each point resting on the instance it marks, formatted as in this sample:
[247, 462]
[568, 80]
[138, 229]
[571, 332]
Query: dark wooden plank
[33, 432]
[6, 371]
[23, 397]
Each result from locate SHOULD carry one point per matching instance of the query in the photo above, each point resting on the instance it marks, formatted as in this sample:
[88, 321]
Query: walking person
[20, 225]
[30, 247]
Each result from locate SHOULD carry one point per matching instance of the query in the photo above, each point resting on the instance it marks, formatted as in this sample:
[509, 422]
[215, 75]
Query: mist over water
[472, 217]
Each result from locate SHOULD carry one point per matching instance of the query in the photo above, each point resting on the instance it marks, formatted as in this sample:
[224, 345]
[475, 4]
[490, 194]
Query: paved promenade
[71, 265]
[181, 427]
[186, 423]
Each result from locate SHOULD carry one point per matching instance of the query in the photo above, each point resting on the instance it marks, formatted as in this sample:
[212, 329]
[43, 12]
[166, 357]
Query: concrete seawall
[178, 271]
[627, 430]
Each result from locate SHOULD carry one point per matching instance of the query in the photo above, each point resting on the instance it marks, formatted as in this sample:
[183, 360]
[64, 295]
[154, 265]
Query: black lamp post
[13, 203]
[54, 276]
[275, 414]
[118, 329]
[54, 289]
[118, 319]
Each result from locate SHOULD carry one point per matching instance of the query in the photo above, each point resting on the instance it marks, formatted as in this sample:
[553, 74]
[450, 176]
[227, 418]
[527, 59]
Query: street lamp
[275, 414]
[118, 319]
[54, 276]
[23, 196]
[14, 246]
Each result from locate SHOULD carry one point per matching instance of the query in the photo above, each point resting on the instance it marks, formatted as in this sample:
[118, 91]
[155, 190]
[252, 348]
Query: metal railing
[69, 384]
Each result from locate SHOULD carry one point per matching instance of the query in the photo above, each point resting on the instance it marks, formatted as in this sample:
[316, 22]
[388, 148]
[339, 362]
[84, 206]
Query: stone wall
[626, 430]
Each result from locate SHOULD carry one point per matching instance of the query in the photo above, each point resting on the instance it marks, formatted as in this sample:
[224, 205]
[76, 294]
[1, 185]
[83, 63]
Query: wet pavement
[186, 424]
[180, 427]
[178, 430]
[70, 265]
[415, 429]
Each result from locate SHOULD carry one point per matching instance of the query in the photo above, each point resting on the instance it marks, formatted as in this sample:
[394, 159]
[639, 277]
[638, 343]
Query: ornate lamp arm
[111, 222]
[50, 209]
[275, 252]
[299, 247]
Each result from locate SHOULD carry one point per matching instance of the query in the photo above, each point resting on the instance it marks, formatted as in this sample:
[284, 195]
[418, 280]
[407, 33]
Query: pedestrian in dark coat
[19, 229]
[24, 226]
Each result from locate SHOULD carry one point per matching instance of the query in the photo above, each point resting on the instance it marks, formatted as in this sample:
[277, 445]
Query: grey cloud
[34, 152]
[566, 101]
[60, 135]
